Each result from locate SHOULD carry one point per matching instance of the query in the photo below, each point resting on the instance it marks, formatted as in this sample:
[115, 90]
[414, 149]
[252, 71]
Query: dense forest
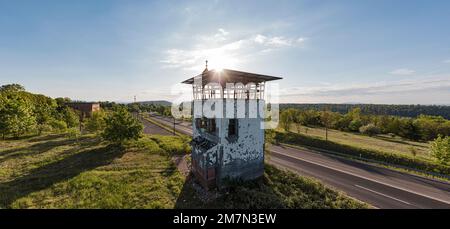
[412, 111]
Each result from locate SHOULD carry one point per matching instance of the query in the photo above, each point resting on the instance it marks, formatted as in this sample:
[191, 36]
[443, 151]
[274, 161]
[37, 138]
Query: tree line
[411, 111]
[422, 128]
[146, 107]
[23, 113]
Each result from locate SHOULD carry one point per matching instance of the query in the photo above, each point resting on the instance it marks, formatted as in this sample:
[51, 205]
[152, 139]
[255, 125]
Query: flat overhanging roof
[230, 76]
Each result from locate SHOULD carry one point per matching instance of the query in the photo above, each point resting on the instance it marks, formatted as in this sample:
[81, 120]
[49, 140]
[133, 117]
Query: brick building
[86, 108]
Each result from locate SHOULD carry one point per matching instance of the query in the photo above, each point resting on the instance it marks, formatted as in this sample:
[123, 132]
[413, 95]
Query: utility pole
[173, 125]
[137, 112]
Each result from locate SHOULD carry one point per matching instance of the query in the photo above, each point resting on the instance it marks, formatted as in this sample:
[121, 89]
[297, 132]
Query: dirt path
[182, 163]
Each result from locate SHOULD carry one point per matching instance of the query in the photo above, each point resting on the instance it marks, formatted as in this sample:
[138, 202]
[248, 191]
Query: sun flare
[220, 60]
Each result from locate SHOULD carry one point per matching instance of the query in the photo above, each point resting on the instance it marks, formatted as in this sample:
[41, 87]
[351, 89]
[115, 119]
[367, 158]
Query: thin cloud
[224, 51]
[220, 36]
[446, 61]
[277, 41]
[380, 88]
[402, 71]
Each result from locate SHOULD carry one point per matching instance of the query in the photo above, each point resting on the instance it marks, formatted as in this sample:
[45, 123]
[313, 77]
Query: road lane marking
[362, 177]
[382, 194]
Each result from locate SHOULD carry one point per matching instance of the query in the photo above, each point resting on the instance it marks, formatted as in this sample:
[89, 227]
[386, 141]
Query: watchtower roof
[230, 76]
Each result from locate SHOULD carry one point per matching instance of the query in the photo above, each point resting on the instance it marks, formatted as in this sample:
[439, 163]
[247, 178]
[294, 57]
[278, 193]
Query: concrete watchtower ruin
[228, 133]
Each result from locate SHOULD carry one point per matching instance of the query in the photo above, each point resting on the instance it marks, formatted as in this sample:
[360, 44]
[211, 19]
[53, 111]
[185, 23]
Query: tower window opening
[232, 128]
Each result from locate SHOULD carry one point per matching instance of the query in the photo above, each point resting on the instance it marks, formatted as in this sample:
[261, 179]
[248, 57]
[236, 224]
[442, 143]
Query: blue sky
[326, 51]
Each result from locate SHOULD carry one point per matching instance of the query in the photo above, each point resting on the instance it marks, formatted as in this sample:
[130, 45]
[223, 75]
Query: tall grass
[278, 189]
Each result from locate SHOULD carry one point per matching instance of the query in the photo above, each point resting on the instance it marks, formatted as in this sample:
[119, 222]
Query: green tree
[121, 126]
[44, 111]
[429, 127]
[96, 123]
[343, 123]
[16, 117]
[369, 129]
[286, 119]
[355, 124]
[58, 125]
[326, 118]
[440, 149]
[71, 117]
[12, 88]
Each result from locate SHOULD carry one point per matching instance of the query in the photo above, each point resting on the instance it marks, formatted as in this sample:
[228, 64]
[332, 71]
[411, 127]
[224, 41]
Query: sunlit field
[385, 143]
[55, 171]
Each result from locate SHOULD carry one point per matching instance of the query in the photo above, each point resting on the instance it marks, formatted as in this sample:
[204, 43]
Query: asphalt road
[378, 186]
[150, 128]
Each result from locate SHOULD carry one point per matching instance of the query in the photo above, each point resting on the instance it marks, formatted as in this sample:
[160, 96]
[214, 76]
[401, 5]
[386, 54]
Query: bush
[96, 123]
[173, 144]
[369, 129]
[58, 125]
[413, 151]
[73, 133]
[44, 128]
[121, 126]
[440, 149]
[71, 117]
[355, 125]
[147, 144]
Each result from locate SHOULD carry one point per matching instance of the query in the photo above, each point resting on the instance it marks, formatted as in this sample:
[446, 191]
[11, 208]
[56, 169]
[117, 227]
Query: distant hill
[378, 109]
[157, 102]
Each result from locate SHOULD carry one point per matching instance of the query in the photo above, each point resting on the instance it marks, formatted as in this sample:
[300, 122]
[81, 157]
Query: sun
[221, 60]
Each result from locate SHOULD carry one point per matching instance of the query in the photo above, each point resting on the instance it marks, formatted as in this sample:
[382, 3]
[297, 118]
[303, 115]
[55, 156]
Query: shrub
[413, 151]
[71, 117]
[58, 125]
[121, 126]
[440, 149]
[96, 123]
[73, 133]
[369, 129]
[173, 144]
[355, 125]
[44, 128]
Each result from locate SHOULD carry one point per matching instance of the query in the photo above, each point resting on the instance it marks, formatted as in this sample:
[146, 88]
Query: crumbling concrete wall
[240, 157]
[243, 157]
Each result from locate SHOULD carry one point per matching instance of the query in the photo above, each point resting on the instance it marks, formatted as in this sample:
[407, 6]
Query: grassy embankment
[58, 172]
[278, 189]
[382, 148]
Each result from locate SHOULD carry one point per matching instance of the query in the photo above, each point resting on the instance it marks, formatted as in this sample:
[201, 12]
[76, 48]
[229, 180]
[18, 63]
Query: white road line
[362, 177]
[382, 194]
